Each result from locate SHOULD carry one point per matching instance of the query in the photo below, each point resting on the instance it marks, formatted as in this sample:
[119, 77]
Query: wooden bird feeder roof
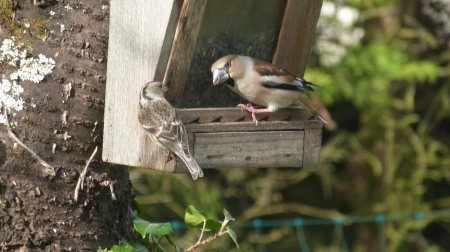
[157, 42]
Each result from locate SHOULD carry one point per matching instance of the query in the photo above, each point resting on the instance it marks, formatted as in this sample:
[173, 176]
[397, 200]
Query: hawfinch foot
[249, 107]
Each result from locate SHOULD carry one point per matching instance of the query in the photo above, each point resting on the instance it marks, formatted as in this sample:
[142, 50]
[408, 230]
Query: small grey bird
[262, 83]
[161, 122]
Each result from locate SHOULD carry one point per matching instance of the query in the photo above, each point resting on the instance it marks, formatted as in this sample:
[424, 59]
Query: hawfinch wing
[280, 78]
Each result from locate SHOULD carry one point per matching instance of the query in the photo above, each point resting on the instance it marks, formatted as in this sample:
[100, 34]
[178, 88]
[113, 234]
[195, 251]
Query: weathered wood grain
[208, 136]
[250, 126]
[297, 34]
[183, 48]
[249, 150]
[140, 38]
[206, 115]
[311, 151]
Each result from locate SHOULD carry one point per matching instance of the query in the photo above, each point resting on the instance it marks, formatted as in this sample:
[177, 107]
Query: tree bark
[37, 209]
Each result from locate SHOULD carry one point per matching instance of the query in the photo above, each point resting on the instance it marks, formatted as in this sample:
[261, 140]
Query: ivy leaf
[122, 248]
[233, 236]
[177, 249]
[137, 247]
[227, 215]
[194, 218]
[138, 209]
[126, 247]
[144, 227]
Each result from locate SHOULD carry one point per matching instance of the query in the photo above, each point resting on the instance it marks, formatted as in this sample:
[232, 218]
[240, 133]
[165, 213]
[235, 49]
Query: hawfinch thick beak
[220, 75]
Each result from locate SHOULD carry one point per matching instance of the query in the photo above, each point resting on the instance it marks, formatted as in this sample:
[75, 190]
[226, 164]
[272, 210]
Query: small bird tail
[192, 166]
[319, 116]
[306, 103]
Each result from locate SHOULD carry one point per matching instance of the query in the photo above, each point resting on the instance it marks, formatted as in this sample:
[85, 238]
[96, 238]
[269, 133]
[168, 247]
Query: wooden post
[140, 39]
[297, 35]
[293, 49]
[183, 48]
[311, 149]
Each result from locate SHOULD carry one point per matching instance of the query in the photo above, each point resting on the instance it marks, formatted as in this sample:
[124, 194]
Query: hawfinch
[263, 84]
[161, 122]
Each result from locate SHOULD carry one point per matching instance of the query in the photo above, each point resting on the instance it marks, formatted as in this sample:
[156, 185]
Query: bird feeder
[156, 41]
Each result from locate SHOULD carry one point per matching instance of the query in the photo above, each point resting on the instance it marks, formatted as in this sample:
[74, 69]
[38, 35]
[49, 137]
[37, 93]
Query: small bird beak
[220, 75]
[165, 88]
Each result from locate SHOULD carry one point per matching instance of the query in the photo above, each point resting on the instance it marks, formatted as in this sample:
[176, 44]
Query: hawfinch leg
[253, 110]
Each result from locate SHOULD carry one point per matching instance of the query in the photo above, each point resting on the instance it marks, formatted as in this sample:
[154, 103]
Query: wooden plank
[251, 127]
[206, 115]
[297, 34]
[311, 151]
[138, 51]
[243, 150]
[183, 48]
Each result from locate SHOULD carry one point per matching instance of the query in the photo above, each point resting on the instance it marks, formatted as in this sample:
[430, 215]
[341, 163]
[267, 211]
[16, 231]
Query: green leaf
[126, 247]
[122, 248]
[144, 227]
[227, 215]
[137, 247]
[233, 236]
[194, 218]
[139, 209]
[171, 242]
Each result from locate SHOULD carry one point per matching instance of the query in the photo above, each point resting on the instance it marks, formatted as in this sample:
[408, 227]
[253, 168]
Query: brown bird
[161, 122]
[263, 84]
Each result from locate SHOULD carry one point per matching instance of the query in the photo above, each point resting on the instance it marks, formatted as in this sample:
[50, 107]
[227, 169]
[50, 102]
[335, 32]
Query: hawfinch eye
[228, 64]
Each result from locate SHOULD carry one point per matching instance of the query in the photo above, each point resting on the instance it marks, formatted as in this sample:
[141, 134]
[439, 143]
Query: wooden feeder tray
[227, 137]
[156, 42]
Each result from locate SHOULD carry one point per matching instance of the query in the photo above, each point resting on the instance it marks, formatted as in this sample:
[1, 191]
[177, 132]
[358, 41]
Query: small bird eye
[160, 86]
[228, 64]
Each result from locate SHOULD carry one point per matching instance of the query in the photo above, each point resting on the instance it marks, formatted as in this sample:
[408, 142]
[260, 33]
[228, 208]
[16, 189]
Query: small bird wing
[275, 77]
[160, 120]
[176, 134]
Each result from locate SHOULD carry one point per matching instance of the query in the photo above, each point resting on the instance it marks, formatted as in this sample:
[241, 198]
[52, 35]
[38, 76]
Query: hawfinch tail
[161, 122]
[263, 84]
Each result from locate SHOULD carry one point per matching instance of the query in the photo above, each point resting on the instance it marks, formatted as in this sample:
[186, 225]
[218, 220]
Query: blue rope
[339, 229]
[381, 232]
[176, 226]
[423, 241]
[298, 223]
[257, 224]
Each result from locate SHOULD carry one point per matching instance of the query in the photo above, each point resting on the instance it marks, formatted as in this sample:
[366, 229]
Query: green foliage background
[390, 96]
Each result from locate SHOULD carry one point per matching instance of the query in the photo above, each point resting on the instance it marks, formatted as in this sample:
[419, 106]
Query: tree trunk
[37, 209]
